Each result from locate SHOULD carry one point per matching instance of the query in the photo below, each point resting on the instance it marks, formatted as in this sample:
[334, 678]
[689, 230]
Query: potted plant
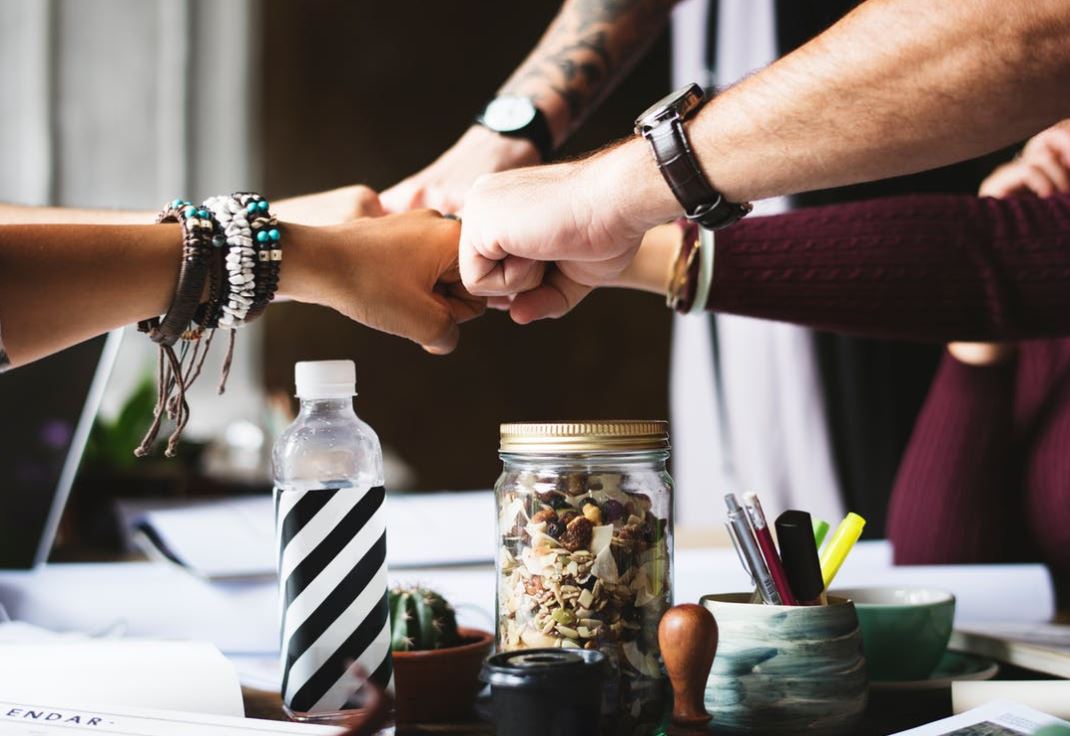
[436, 664]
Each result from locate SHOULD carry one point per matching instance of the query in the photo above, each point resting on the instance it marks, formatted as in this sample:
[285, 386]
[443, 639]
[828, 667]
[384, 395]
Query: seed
[564, 616]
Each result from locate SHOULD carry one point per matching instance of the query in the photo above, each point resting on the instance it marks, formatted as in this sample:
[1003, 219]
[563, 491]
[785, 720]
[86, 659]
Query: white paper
[983, 593]
[44, 719]
[145, 599]
[1000, 716]
[234, 538]
[1047, 696]
[217, 539]
[186, 676]
[1049, 636]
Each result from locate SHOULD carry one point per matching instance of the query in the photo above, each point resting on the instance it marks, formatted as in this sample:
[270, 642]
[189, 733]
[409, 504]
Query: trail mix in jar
[584, 562]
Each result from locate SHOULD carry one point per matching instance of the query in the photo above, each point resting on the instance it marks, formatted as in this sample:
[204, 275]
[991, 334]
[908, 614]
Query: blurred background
[129, 103]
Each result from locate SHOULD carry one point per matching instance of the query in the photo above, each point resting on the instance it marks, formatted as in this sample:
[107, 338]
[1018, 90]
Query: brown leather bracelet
[197, 228]
[682, 264]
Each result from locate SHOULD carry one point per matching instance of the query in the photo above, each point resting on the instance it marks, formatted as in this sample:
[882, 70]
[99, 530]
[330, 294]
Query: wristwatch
[663, 125]
[518, 117]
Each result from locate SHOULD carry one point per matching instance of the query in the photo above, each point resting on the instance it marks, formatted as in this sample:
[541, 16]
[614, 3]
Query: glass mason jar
[585, 552]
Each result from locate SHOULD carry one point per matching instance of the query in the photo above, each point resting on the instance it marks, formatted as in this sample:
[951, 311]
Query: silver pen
[748, 550]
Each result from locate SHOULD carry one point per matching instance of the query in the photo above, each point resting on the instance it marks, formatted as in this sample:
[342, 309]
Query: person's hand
[332, 207]
[444, 184]
[1043, 167]
[396, 273]
[549, 234]
[982, 353]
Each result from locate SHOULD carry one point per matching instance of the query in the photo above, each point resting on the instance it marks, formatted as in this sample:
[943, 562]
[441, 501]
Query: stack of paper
[27, 718]
[186, 676]
[234, 538]
[1035, 646]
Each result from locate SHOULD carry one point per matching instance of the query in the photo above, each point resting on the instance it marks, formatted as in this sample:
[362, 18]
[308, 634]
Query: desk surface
[888, 712]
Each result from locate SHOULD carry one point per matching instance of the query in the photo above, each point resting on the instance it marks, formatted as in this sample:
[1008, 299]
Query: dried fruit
[576, 484]
[577, 534]
[592, 513]
[629, 536]
[555, 529]
[612, 510]
[560, 502]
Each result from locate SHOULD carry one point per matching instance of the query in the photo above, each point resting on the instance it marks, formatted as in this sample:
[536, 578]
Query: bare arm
[17, 214]
[588, 48]
[321, 208]
[895, 87]
[61, 284]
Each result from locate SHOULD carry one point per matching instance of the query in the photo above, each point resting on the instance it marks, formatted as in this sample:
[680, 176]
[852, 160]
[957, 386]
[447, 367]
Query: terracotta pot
[440, 684]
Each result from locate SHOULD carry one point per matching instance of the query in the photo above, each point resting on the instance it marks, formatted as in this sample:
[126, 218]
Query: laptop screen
[46, 411]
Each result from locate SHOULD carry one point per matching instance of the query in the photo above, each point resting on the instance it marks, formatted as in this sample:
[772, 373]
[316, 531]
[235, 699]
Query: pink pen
[765, 542]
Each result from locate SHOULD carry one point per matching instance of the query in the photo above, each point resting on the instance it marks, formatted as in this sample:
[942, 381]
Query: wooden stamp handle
[688, 639]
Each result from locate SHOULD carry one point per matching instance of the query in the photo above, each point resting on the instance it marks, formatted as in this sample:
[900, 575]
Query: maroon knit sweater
[932, 268]
[986, 476]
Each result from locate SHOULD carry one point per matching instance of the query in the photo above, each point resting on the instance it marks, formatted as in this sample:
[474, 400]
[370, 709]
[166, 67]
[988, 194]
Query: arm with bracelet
[930, 268]
[182, 279]
[588, 48]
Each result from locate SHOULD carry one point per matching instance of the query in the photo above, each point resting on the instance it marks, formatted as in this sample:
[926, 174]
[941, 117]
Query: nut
[577, 535]
[567, 516]
[544, 515]
[592, 513]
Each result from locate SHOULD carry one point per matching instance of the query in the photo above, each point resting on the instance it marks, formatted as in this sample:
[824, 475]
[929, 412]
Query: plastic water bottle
[331, 534]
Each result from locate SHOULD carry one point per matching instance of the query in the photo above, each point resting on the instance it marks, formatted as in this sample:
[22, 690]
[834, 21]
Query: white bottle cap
[325, 379]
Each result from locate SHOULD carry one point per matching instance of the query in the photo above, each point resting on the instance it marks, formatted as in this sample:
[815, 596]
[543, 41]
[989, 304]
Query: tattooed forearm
[586, 50]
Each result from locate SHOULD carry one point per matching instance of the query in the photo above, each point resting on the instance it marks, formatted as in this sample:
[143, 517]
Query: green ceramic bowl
[904, 630]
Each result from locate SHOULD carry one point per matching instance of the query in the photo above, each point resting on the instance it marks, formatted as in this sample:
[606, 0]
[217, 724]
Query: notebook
[1038, 647]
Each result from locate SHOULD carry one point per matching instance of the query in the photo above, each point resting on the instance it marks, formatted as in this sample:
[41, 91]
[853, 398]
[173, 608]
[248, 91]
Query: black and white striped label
[333, 580]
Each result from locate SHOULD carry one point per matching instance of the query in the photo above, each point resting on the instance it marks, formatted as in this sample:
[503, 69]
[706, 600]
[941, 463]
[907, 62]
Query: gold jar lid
[619, 435]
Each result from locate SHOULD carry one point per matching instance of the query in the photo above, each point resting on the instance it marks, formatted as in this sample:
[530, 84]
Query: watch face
[508, 114]
[681, 102]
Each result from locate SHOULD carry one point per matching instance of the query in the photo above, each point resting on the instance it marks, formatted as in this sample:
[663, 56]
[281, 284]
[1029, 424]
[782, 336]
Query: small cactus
[420, 619]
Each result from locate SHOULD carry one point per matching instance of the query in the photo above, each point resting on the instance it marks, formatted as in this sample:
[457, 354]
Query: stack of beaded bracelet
[233, 242]
[253, 256]
[174, 375]
[265, 230]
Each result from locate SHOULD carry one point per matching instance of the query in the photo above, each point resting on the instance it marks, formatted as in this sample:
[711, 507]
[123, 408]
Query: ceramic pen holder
[785, 669]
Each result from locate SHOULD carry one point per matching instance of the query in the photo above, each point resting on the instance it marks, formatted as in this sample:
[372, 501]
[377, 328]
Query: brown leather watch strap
[679, 167]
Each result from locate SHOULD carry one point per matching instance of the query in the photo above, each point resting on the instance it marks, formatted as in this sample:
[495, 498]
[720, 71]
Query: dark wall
[369, 92]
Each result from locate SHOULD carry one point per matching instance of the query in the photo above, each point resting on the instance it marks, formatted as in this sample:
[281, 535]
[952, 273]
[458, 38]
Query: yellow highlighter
[837, 549]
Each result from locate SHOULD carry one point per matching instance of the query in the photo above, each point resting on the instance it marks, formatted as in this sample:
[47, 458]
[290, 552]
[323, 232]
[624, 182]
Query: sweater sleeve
[927, 268]
[953, 498]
